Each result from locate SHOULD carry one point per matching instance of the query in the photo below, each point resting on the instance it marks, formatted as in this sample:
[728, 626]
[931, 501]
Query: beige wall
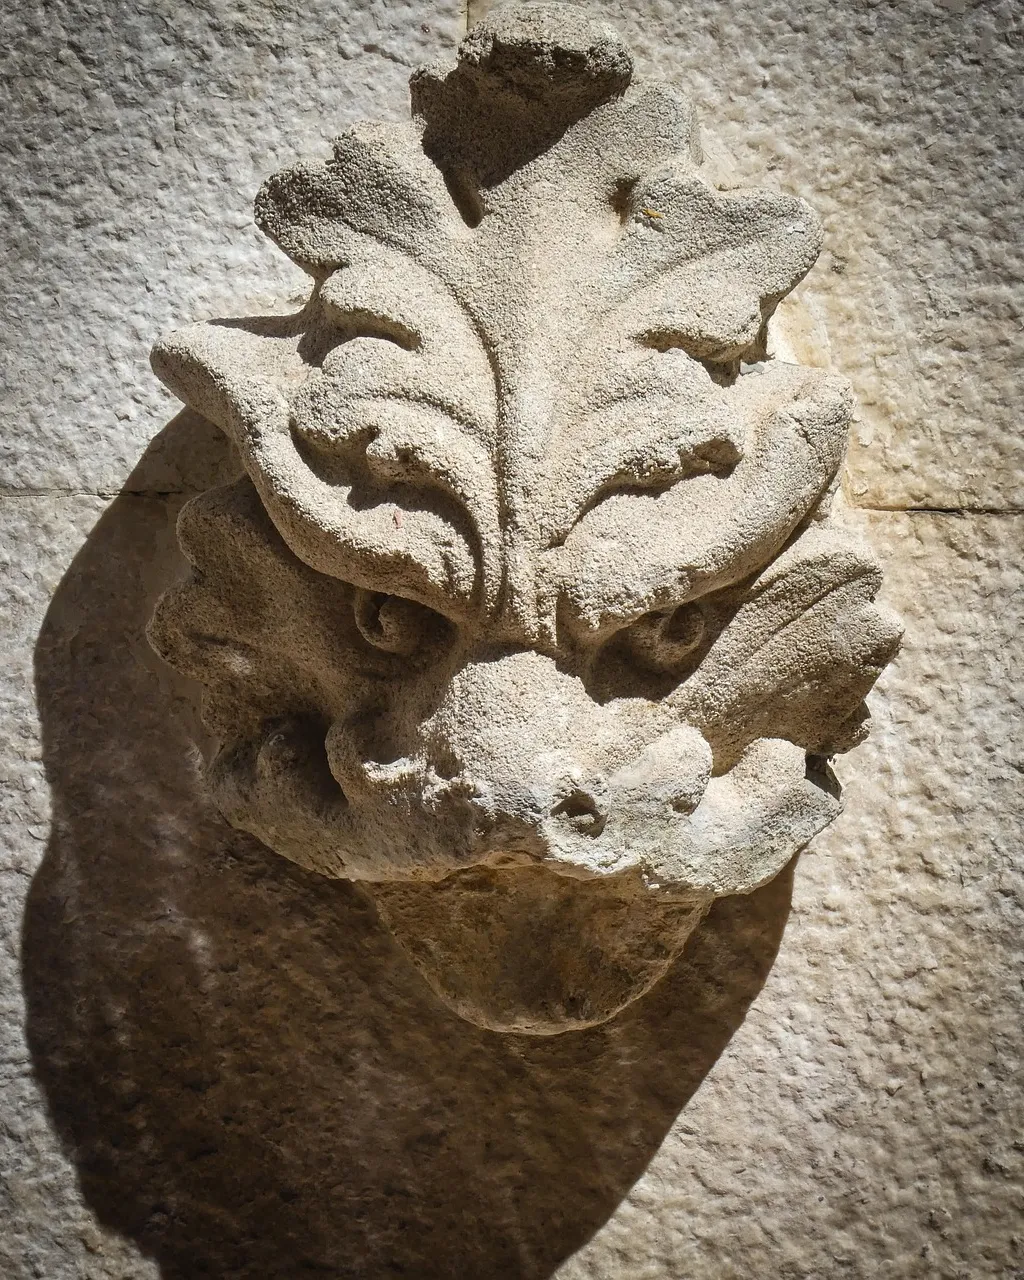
[212, 1064]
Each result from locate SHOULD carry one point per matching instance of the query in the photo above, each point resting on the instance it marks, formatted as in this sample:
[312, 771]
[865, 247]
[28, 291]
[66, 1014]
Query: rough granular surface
[215, 1064]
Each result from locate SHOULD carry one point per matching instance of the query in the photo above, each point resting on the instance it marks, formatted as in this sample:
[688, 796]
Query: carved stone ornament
[532, 610]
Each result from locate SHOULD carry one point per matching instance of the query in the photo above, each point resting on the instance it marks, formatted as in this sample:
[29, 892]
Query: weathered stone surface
[133, 142]
[248, 1075]
[249, 1079]
[49, 1230]
[251, 1076]
[534, 575]
[900, 125]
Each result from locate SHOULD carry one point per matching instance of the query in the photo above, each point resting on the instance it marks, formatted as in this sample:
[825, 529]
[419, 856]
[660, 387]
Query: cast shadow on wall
[251, 1079]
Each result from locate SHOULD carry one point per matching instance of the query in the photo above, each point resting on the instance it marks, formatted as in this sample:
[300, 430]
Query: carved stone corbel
[531, 610]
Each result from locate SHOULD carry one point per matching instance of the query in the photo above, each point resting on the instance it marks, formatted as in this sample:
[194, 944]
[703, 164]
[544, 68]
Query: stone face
[214, 1063]
[246, 1074]
[534, 564]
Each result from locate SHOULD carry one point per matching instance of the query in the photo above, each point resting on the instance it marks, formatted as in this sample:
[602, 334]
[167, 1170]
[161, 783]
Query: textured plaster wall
[212, 1064]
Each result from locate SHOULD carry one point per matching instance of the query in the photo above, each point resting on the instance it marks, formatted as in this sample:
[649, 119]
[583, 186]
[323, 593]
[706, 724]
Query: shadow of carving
[250, 1077]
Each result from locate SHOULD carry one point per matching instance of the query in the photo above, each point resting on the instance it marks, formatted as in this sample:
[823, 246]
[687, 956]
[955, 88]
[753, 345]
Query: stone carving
[532, 609]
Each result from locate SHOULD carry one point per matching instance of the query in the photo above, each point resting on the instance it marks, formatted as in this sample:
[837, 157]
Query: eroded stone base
[522, 949]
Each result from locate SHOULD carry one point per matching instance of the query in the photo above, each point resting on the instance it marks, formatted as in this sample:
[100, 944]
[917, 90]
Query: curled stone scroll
[532, 609]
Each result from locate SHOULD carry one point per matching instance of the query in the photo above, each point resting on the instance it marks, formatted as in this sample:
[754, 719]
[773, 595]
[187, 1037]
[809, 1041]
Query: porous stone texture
[213, 1063]
[134, 139]
[532, 608]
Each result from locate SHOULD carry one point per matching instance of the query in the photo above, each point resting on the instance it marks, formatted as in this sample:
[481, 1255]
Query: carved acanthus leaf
[521, 295]
[797, 658]
[534, 599]
[639, 551]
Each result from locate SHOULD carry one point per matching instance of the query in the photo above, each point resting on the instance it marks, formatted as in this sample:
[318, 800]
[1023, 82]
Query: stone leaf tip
[535, 49]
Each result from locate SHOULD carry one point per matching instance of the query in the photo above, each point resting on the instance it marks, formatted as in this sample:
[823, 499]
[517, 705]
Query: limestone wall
[213, 1064]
